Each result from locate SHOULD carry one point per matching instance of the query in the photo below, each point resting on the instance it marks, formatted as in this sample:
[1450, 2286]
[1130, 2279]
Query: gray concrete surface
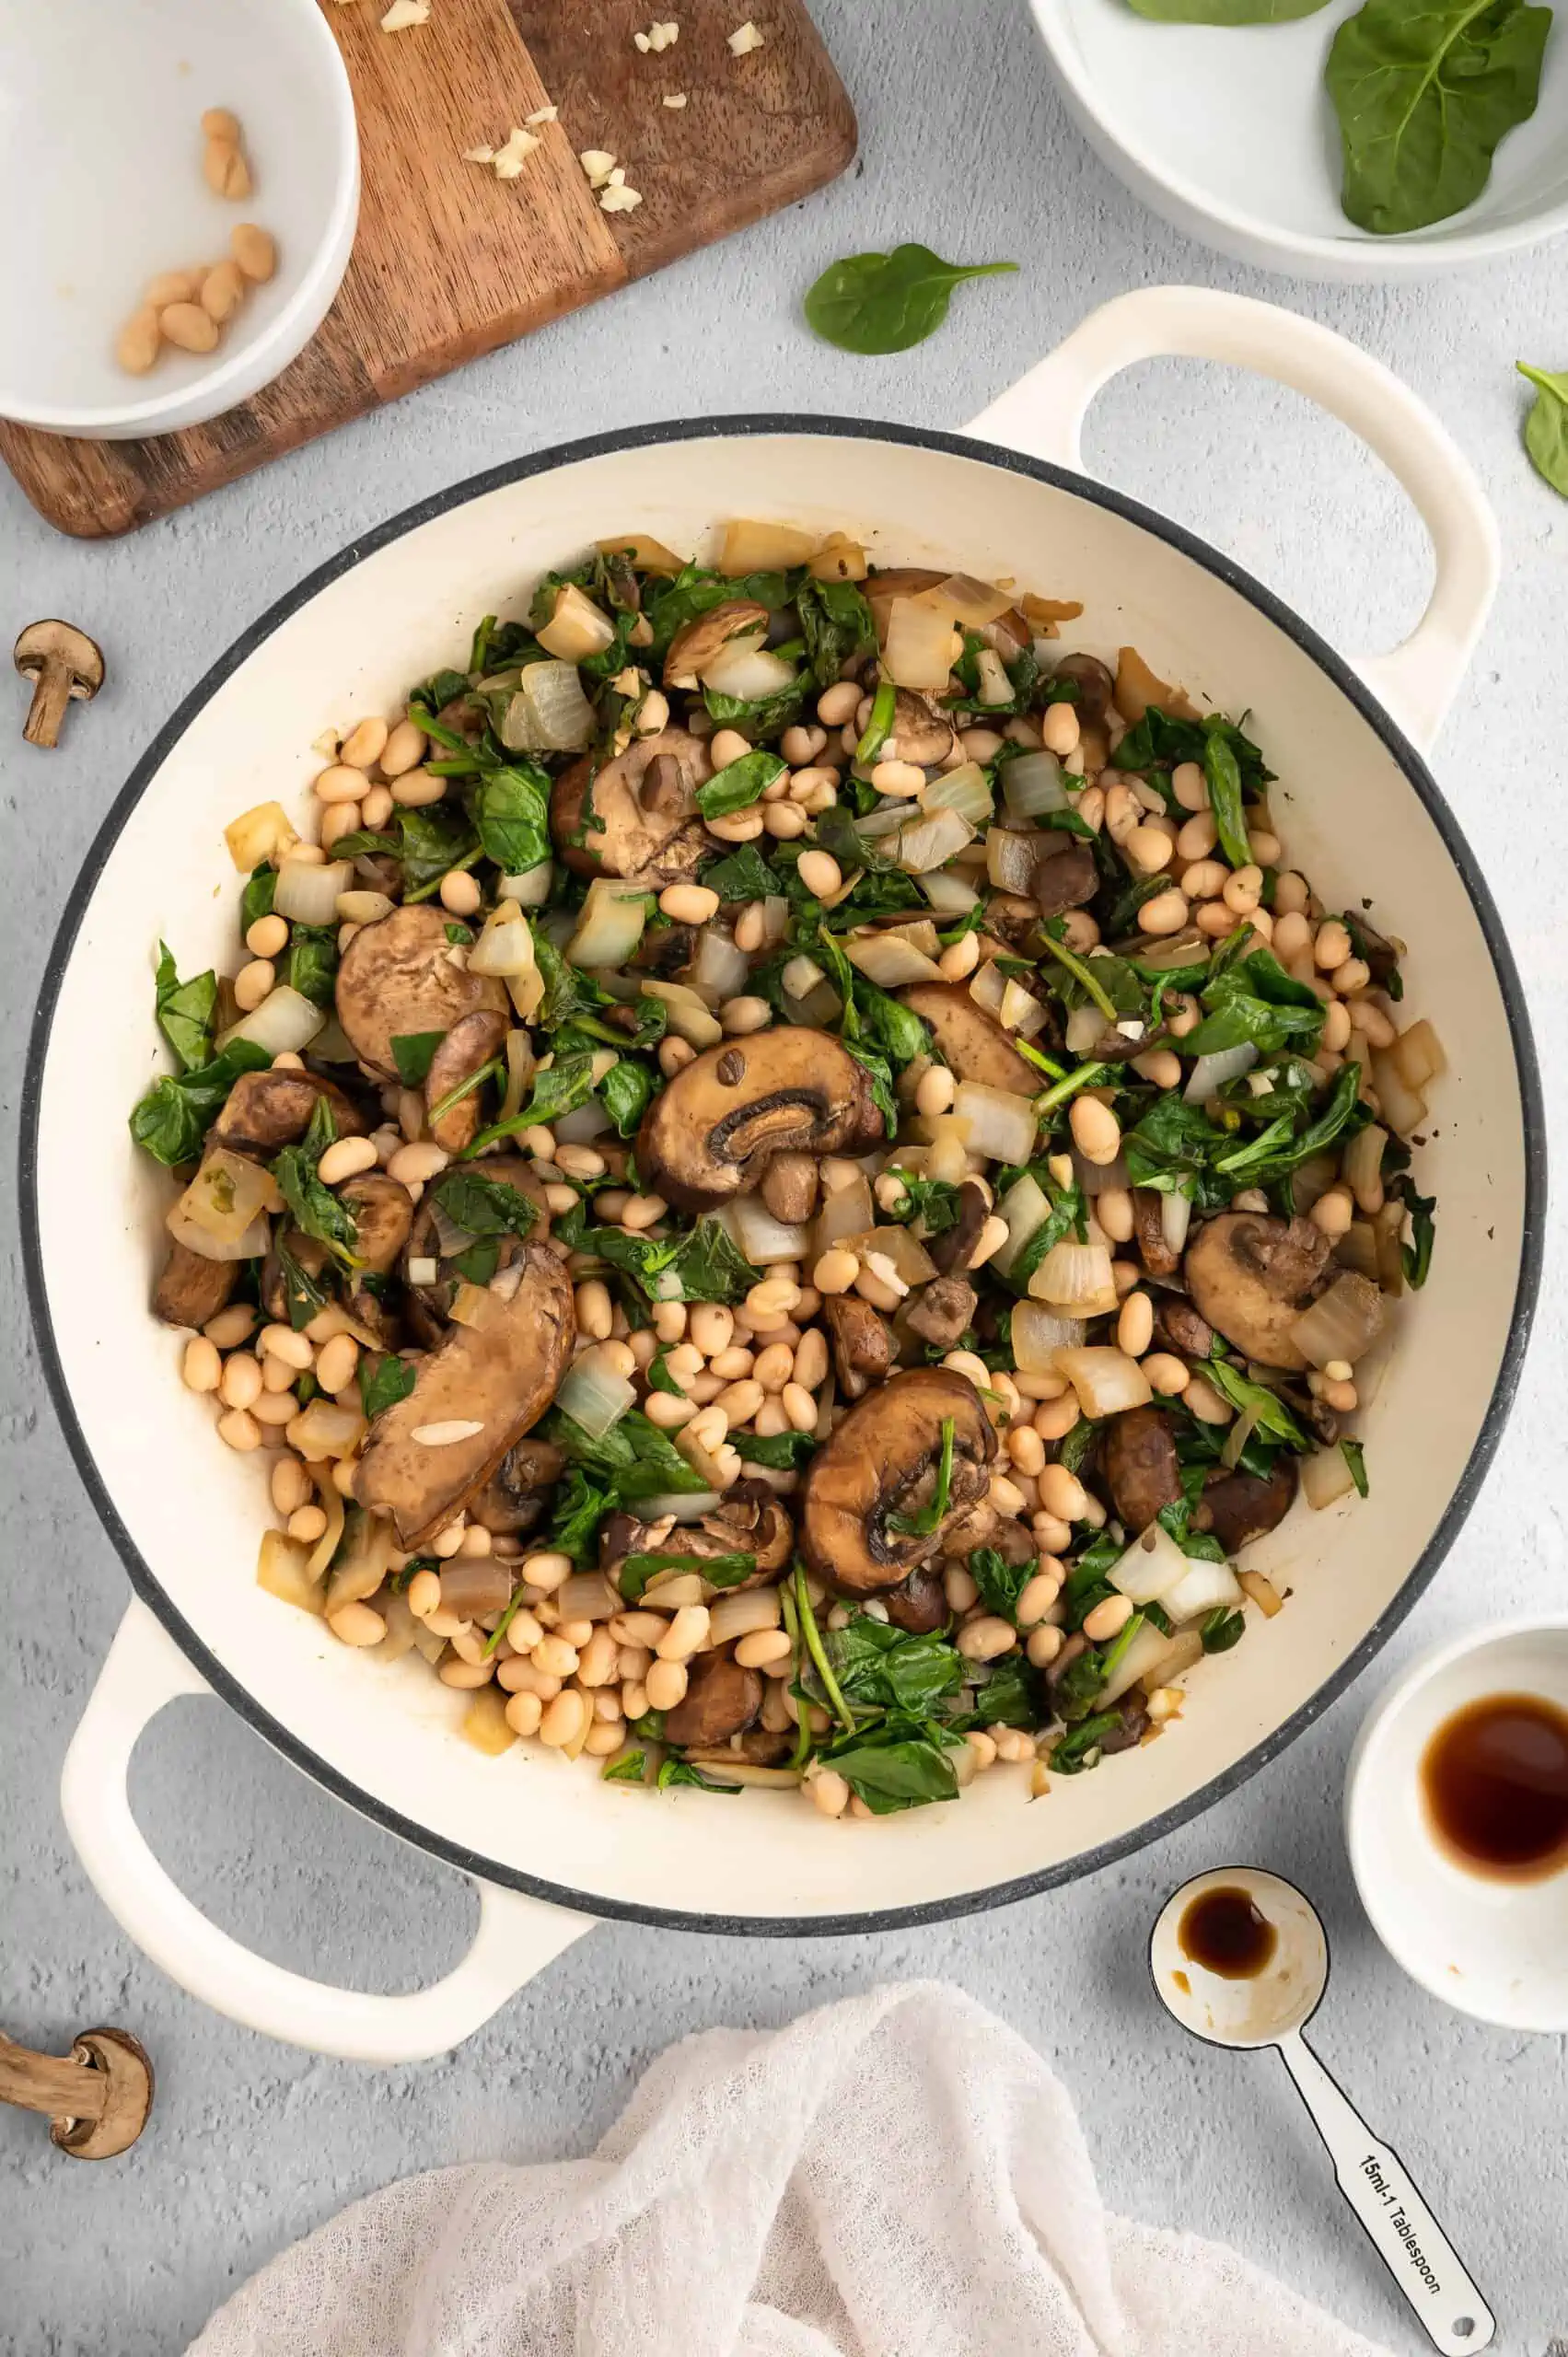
[965, 145]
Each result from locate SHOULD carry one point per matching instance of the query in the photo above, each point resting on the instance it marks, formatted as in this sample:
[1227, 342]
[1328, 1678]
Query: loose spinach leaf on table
[485, 1206]
[384, 1384]
[173, 1118]
[185, 1010]
[414, 1053]
[1424, 96]
[1545, 428]
[511, 813]
[881, 303]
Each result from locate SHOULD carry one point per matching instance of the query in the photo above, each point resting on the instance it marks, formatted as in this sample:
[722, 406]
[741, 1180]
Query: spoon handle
[1376, 2184]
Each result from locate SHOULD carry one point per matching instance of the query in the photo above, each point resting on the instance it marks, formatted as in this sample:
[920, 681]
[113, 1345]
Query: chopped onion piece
[1038, 1333]
[583, 1123]
[1176, 1218]
[751, 547]
[1026, 1208]
[641, 550]
[1078, 1279]
[918, 649]
[249, 1245]
[549, 713]
[966, 790]
[1020, 1012]
[610, 924]
[1151, 1567]
[1106, 1380]
[1419, 1055]
[1085, 1025]
[519, 1073]
[1099, 1177]
[920, 933]
[973, 603]
[1362, 1167]
[594, 1396]
[586, 1596]
[1326, 1476]
[801, 976]
[281, 1570]
[889, 962]
[738, 1616]
[577, 629]
[1011, 857]
[690, 1018]
[719, 969]
[686, 1505]
[1001, 1125]
[1342, 1323]
[948, 1154]
[1203, 1587]
[504, 946]
[1210, 1073]
[1263, 1592]
[948, 895]
[226, 1197]
[308, 894]
[1031, 784]
[530, 888]
[1181, 1653]
[1404, 1108]
[1148, 1645]
[744, 668]
[266, 832]
[361, 1571]
[765, 1239]
[911, 1263]
[818, 1010]
[931, 842]
[988, 987]
[848, 1211]
[283, 1023]
[775, 919]
[323, 1429]
[1239, 1434]
[423, 1271]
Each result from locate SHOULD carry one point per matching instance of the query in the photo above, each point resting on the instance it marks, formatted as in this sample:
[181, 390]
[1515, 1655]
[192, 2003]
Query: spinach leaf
[414, 1053]
[310, 964]
[1545, 428]
[932, 1202]
[1221, 1629]
[1354, 1456]
[890, 1024]
[185, 1011]
[897, 1775]
[675, 1770]
[1239, 1019]
[739, 783]
[579, 1506]
[759, 715]
[633, 1459]
[1007, 1696]
[694, 590]
[1082, 1745]
[785, 1452]
[719, 1570]
[305, 1297]
[431, 841]
[1267, 1158]
[1423, 96]
[877, 303]
[744, 876]
[1273, 1415]
[256, 900]
[559, 1089]
[625, 1093]
[317, 1211]
[511, 812]
[881, 1084]
[383, 1385]
[485, 1206]
[1000, 1583]
[1416, 1256]
[630, 1769]
[173, 1118]
[710, 1266]
[661, 1380]
[836, 623]
[877, 1664]
[479, 1264]
[1065, 1218]
[1223, 772]
[568, 992]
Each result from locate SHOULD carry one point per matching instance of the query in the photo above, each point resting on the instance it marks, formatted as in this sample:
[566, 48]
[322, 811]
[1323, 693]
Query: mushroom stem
[52, 693]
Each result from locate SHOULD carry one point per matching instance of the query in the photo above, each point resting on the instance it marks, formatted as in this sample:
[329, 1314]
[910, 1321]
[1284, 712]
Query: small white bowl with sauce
[1457, 1821]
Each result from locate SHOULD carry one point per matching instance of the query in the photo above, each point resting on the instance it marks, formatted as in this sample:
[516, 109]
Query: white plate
[1227, 132]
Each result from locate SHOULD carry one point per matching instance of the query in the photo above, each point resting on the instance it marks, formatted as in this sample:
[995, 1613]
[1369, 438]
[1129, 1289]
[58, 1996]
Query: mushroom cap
[1251, 1277]
[643, 808]
[710, 1133]
[882, 1459]
[922, 734]
[970, 1043]
[500, 1377]
[191, 1289]
[698, 641]
[1139, 1461]
[760, 1527]
[383, 1213]
[472, 1043]
[1239, 1506]
[431, 1306]
[58, 641]
[721, 1700]
[264, 1111]
[516, 1495]
[863, 1347]
[1064, 879]
[398, 977]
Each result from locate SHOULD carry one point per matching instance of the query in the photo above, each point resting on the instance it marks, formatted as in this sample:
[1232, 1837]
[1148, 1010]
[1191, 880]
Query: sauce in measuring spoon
[1225, 1932]
[1495, 1781]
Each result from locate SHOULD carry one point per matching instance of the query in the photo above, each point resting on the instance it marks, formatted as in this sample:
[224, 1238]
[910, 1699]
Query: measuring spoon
[1260, 1988]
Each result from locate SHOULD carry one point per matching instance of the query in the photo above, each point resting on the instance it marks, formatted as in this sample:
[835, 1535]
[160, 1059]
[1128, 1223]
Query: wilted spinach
[881, 303]
[185, 1011]
[173, 1118]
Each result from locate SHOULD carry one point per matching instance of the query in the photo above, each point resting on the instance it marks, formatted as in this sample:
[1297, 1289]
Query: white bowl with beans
[102, 154]
[550, 1846]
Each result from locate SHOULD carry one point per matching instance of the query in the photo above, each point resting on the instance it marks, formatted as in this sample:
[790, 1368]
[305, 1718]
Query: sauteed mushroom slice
[942, 1310]
[1069, 879]
[970, 1044]
[863, 1347]
[191, 1290]
[307, 1255]
[473, 1042]
[951, 1249]
[919, 733]
[430, 1298]
[790, 1186]
[741, 1526]
[881, 1465]
[1139, 1461]
[637, 815]
[518, 1493]
[1178, 1328]
[721, 1700]
[400, 976]
[711, 1133]
[1251, 1277]
[475, 1395]
[920, 1604]
[1157, 1255]
[697, 642]
[1238, 1507]
[1093, 679]
[383, 1213]
[264, 1111]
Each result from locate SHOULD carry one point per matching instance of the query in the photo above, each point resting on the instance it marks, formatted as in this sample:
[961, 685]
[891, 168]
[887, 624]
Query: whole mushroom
[65, 665]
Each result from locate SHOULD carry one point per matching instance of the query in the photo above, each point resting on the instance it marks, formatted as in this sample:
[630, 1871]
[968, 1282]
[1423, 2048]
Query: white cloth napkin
[896, 2175]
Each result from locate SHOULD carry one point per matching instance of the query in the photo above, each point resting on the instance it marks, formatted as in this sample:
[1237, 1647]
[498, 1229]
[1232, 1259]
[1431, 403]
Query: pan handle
[1044, 414]
[516, 1936]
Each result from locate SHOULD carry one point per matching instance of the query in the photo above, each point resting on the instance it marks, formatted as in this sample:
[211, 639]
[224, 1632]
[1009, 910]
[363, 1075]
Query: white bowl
[1495, 1949]
[101, 159]
[1226, 130]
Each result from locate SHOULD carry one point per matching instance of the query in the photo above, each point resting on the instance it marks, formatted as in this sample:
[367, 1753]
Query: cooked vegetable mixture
[793, 1179]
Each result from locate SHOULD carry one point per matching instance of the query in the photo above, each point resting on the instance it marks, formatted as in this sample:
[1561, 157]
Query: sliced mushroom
[306, 1253]
[951, 1249]
[430, 1304]
[696, 642]
[666, 950]
[1251, 1277]
[881, 1463]
[969, 1043]
[264, 1111]
[401, 976]
[64, 665]
[942, 1310]
[1013, 920]
[1148, 1219]
[1133, 1711]
[721, 1700]
[1238, 1507]
[190, 1289]
[475, 1395]
[921, 1604]
[1096, 686]
[473, 1042]
[919, 733]
[383, 1213]
[745, 1526]
[637, 815]
[863, 1347]
[1178, 1328]
[1068, 880]
[713, 1130]
[789, 1187]
[518, 1493]
[1139, 1461]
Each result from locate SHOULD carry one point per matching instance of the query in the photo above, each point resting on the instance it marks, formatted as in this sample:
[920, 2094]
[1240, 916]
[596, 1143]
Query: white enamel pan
[550, 1846]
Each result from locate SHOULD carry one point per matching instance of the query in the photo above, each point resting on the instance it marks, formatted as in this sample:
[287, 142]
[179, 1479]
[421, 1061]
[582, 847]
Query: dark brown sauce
[1222, 1930]
[1494, 1779]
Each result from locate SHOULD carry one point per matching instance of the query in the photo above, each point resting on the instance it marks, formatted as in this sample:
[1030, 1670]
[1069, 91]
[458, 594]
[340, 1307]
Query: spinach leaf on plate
[185, 1010]
[879, 1665]
[173, 1118]
[739, 783]
[1545, 428]
[1424, 96]
[881, 303]
[511, 813]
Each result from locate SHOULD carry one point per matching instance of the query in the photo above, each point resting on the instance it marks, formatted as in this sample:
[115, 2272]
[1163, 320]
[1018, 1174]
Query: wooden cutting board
[448, 262]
